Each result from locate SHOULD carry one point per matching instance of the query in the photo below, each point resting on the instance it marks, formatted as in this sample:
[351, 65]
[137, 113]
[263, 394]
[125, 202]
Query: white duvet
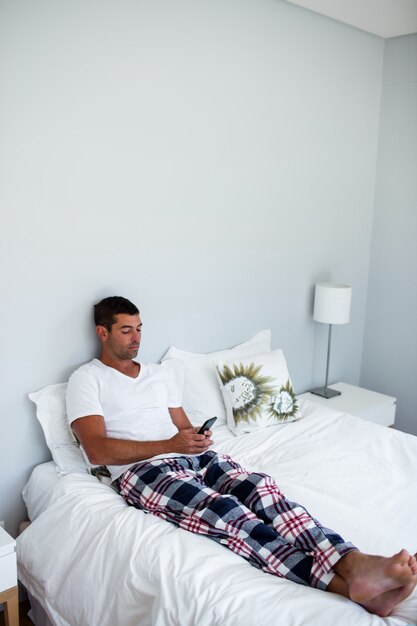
[93, 561]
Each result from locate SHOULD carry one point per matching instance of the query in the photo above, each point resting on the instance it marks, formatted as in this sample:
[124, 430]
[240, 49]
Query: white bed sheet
[93, 561]
[38, 491]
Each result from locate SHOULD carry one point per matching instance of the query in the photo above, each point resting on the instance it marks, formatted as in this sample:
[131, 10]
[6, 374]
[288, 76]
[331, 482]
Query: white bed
[90, 560]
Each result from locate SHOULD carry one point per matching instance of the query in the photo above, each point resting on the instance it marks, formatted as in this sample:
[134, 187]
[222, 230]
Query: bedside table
[369, 405]
[8, 578]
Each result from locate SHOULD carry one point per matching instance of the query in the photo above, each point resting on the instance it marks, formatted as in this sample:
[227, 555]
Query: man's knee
[223, 507]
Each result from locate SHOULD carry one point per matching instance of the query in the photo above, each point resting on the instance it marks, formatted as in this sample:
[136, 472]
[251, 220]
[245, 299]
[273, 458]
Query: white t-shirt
[132, 408]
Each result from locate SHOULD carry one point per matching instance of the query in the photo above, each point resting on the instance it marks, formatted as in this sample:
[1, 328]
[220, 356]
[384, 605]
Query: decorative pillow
[51, 412]
[257, 392]
[201, 394]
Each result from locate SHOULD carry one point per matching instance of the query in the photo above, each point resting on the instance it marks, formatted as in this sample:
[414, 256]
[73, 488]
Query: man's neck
[128, 367]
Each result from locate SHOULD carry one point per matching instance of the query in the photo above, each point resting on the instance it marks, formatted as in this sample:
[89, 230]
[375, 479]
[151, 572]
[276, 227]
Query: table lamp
[331, 306]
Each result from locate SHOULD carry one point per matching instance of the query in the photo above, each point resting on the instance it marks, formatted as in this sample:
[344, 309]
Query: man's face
[123, 340]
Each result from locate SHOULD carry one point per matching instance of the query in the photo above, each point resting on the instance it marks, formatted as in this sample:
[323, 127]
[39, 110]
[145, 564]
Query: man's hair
[107, 308]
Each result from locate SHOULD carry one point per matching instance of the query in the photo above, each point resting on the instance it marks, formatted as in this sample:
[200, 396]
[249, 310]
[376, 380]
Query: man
[128, 416]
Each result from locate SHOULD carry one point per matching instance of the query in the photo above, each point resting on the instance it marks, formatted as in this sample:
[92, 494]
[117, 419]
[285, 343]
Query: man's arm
[104, 450]
[180, 418]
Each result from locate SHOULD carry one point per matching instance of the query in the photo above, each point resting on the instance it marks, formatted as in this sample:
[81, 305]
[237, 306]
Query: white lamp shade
[332, 303]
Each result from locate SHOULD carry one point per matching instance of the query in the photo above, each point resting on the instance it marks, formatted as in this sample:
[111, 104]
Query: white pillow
[257, 391]
[202, 397]
[51, 412]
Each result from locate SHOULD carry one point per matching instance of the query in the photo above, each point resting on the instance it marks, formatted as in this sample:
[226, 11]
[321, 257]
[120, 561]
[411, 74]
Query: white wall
[209, 160]
[390, 340]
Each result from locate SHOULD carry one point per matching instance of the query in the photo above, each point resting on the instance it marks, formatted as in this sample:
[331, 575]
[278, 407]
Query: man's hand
[187, 441]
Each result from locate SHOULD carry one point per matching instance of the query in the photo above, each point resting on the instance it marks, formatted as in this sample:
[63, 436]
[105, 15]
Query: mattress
[91, 560]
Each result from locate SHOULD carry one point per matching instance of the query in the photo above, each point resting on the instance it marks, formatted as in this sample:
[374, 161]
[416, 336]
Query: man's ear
[102, 332]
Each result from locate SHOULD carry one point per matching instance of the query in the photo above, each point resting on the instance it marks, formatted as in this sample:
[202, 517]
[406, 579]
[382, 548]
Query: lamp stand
[325, 392]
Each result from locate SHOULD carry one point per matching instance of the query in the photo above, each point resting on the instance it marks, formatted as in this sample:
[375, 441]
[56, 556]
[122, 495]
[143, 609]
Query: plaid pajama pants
[246, 511]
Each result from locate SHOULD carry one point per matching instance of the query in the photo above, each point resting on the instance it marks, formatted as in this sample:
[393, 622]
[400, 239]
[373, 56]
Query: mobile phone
[207, 425]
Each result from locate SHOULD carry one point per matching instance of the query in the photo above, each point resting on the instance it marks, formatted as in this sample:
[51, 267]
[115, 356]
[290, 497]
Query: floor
[24, 607]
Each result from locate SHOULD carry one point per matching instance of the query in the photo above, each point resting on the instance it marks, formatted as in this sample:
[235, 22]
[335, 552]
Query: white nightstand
[8, 579]
[371, 406]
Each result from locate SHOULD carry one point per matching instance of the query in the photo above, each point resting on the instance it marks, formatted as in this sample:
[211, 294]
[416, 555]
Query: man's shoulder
[87, 369]
[150, 368]
[155, 370]
[166, 374]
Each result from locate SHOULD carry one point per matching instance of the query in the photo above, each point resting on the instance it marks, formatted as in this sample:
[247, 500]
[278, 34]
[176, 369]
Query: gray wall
[390, 339]
[210, 160]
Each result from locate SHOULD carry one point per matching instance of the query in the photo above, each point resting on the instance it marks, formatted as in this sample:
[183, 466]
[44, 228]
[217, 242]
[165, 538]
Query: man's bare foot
[370, 576]
[413, 563]
[384, 604]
